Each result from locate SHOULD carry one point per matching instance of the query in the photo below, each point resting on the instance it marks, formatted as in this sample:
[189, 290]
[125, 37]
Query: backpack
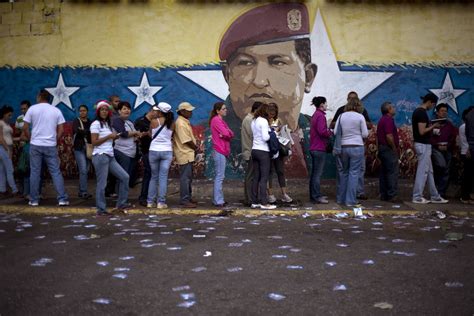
[273, 144]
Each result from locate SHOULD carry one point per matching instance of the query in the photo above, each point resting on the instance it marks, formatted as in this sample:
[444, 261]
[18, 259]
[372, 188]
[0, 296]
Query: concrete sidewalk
[233, 190]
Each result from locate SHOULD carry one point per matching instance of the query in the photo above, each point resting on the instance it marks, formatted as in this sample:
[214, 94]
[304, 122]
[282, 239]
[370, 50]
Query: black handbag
[330, 145]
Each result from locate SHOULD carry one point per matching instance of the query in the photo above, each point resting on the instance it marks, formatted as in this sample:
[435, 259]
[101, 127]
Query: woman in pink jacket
[221, 137]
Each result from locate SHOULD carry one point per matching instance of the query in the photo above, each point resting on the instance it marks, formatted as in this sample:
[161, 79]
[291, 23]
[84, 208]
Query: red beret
[271, 23]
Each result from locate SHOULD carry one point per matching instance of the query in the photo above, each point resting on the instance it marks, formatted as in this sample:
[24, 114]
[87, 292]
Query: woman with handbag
[125, 148]
[261, 158]
[82, 148]
[319, 136]
[160, 154]
[277, 164]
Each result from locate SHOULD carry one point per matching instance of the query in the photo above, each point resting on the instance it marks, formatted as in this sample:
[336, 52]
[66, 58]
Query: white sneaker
[255, 205]
[421, 200]
[150, 204]
[322, 200]
[30, 203]
[439, 200]
[63, 203]
[268, 207]
[286, 198]
[271, 198]
[161, 205]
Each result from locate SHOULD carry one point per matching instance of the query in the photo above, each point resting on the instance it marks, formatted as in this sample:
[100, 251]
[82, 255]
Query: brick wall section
[5, 7]
[30, 17]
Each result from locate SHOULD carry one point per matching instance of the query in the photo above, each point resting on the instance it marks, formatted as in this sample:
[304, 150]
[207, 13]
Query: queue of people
[114, 145]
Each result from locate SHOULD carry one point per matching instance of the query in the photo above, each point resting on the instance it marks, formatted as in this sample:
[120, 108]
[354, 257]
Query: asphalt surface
[245, 265]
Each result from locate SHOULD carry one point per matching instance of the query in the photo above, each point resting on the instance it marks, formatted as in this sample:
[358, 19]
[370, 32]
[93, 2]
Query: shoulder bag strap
[82, 127]
[158, 131]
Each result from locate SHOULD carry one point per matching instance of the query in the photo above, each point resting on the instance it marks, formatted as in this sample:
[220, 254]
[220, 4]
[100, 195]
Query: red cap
[103, 103]
[271, 23]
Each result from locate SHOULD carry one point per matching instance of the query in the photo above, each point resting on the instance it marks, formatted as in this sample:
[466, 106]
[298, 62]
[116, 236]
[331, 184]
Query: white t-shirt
[162, 142]
[7, 133]
[260, 131]
[44, 120]
[463, 140]
[107, 146]
[354, 128]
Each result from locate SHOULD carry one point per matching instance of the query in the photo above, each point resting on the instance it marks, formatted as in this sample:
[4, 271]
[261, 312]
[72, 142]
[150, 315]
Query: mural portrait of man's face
[275, 73]
[266, 57]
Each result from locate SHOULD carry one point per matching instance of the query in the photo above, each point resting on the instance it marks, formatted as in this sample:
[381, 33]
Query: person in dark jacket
[142, 124]
[82, 135]
[470, 135]
[443, 146]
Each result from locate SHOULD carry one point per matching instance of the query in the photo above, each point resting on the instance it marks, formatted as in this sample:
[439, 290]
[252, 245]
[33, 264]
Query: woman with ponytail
[160, 154]
[221, 136]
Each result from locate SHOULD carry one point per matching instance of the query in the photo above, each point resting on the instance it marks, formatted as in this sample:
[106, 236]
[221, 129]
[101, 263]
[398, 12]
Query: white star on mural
[330, 81]
[447, 94]
[61, 93]
[144, 92]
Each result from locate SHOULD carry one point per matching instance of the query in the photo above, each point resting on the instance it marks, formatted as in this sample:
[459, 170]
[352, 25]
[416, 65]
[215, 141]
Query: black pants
[277, 165]
[146, 178]
[467, 177]
[261, 167]
[249, 173]
[388, 179]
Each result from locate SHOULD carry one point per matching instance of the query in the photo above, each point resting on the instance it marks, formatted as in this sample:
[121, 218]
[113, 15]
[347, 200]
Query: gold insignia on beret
[294, 19]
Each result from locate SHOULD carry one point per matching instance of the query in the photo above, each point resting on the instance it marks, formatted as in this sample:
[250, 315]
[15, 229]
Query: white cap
[162, 107]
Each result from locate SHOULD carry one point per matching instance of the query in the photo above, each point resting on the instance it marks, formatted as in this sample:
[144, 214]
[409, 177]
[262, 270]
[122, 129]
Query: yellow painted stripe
[160, 33]
[42, 210]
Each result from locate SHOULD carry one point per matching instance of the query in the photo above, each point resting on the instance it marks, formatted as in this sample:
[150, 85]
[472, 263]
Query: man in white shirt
[46, 122]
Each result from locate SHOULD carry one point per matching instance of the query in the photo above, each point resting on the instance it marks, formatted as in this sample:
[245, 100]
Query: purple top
[386, 126]
[447, 134]
[319, 132]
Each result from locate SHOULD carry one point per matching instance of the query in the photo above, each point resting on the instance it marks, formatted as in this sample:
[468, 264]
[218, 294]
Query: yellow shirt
[183, 133]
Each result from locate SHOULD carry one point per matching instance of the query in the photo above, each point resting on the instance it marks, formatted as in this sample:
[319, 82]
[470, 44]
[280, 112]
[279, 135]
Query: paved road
[149, 265]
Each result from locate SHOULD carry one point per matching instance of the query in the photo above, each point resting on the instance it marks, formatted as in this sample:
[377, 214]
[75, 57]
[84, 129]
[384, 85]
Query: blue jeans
[83, 167]
[360, 181]
[352, 158]
[318, 159]
[219, 166]
[49, 154]
[146, 178]
[26, 182]
[185, 182]
[6, 171]
[388, 179]
[424, 171]
[340, 195]
[160, 162]
[102, 165]
[127, 163]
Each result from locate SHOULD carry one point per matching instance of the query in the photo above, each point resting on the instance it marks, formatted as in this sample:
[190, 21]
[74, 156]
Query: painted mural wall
[175, 51]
